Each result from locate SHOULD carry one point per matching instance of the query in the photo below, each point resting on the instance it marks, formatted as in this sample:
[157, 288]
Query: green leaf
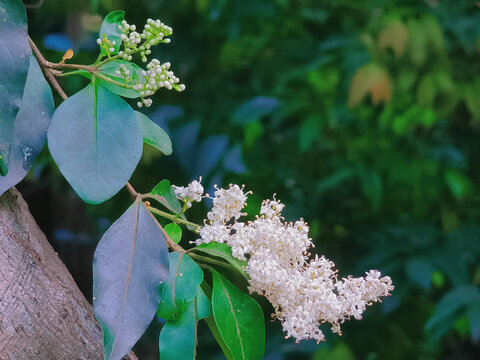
[458, 183]
[183, 283]
[372, 187]
[224, 252]
[448, 308]
[178, 338]
[14, 64]
[239, 319]
[473, 316]
[153, 134]
[164, 193]
[96, 142]
[110, 29]
[309, 132]
[109, 69]
[31, 123]
[207, 290]
[204, 308]
[341, 351]
[174, 231]
[129, 266]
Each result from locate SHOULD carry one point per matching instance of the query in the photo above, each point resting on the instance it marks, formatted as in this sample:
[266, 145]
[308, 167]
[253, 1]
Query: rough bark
[43, 314]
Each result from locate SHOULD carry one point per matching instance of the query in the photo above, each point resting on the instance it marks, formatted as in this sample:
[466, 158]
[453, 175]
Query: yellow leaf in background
[68, 55]
[370, 79]
[393, 36]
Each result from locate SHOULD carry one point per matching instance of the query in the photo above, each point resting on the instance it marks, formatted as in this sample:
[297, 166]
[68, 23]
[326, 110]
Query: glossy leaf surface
[178, 338]
[153, 134]
[96, 142]
[31, 124]
[163, 192]
[110, 29]
[174, 231]
[14, 64]
[239, 319]
[224, 252]
[129, 267]
[183, 283]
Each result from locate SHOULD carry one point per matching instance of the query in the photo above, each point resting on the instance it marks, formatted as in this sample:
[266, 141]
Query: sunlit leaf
[14, 64]
[30, 130]
[174, 231]
[96, 142]
[370, 79]
[239, 319]
[130, 265]
[394, 36]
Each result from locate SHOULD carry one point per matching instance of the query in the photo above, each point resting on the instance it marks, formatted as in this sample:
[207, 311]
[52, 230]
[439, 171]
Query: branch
[49, 74]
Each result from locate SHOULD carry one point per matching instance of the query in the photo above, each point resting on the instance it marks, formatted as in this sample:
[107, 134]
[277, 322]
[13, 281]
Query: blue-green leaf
[154, 135]
[449, 306]
[14, 62]
[239, 319]
[129, 267]
[96, 142]
[30, 130]
[178, 338]
[110, 30]
[110, 68]
[204, 308]
[174, 231]
[183, 283]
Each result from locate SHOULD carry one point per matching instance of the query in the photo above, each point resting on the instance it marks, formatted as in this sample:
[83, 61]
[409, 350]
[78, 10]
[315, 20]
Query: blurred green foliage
[364, 118]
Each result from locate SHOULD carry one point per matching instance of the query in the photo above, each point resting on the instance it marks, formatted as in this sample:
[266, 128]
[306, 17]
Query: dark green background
[280, 93]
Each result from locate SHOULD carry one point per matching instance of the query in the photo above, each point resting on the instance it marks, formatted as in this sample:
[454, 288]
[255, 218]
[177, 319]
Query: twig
[48, 72]
[131, 190]
[173, 218]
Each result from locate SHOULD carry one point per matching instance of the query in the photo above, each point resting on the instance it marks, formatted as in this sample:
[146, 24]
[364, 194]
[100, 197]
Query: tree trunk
[43, 314]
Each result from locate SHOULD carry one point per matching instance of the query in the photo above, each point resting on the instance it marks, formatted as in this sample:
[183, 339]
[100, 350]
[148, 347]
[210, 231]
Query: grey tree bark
[43, 314]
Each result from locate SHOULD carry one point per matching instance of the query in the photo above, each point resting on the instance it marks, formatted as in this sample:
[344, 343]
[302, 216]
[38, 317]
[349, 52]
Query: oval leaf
[129, 266]
[95, 140]
[14, 62]
[239, 319]
[30, 130]
[183, 283]
[174, 231]
[165, 195]
[110, 68]
[110, 30]
[153, 134]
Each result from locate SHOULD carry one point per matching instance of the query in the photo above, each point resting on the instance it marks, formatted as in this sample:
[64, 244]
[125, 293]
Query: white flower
[227, 204]
[193, 192]
[304, 293]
